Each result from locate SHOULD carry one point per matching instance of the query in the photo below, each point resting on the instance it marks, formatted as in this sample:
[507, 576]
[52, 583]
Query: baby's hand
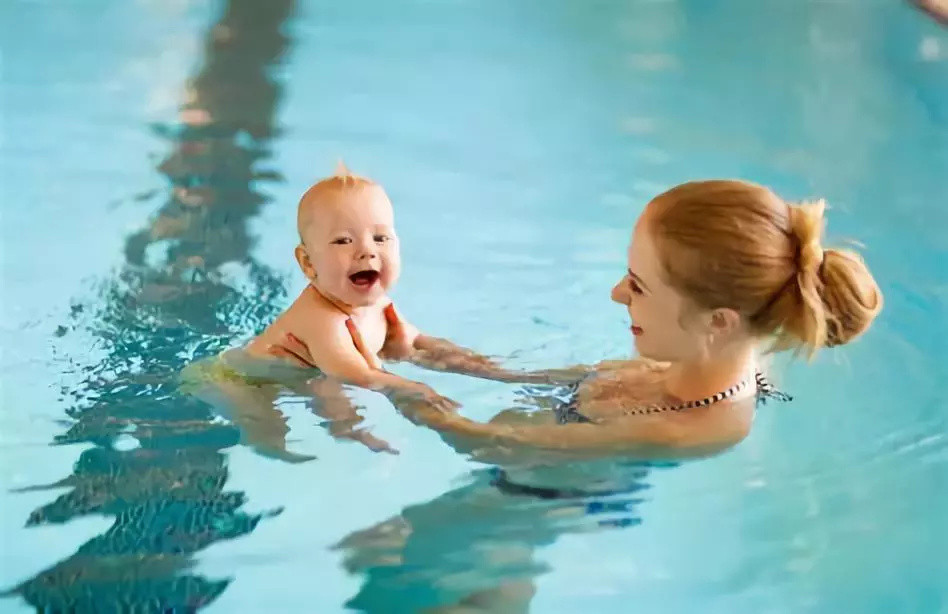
[400, 338]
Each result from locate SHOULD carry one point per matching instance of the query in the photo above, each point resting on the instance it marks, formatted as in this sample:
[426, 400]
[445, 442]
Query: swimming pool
[518, 142]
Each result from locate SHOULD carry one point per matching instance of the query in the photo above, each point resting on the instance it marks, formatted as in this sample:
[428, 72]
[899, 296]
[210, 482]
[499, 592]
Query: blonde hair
[342, 181]
[738, 245]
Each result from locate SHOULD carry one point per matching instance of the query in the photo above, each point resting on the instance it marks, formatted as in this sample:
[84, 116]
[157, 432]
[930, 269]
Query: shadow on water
[188, 288]
[472, 549]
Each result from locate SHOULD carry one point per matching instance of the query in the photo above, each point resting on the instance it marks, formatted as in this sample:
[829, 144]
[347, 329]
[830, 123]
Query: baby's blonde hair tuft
[339, 183]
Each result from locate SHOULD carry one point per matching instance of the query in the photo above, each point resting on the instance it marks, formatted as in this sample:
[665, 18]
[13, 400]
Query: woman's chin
[637, 346]
[647, 353]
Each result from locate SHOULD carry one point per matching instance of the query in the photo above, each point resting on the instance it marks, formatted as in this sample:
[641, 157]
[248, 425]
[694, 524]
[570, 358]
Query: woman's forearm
[643, 437]
[443, 355]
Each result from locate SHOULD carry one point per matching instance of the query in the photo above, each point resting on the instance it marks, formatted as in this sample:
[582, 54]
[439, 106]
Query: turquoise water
[519, 141]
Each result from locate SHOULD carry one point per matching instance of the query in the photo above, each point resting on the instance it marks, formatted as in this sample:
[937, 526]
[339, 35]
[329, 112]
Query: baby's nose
[368, 251]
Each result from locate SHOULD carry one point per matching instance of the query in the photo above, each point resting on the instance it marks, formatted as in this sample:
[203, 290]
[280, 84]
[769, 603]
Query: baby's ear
[302, 258]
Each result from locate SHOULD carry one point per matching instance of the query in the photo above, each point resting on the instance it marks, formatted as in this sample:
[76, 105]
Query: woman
[717, 272]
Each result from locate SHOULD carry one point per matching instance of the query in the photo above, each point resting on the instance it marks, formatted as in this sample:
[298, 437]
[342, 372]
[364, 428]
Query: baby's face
[353, 248]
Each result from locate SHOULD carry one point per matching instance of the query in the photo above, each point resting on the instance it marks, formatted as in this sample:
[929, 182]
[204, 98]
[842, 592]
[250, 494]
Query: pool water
[152, 156]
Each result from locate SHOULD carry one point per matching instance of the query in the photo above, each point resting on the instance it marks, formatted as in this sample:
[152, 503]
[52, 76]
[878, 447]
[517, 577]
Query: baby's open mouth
[365, 279]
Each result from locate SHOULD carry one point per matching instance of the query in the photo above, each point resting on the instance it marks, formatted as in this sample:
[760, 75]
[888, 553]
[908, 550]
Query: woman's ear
[724, 321]
[302, 258]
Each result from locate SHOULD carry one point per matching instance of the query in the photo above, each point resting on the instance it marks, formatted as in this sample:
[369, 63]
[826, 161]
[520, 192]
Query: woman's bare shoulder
[632, 365]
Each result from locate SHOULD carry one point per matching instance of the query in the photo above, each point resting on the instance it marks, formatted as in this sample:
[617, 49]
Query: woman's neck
[694, 380]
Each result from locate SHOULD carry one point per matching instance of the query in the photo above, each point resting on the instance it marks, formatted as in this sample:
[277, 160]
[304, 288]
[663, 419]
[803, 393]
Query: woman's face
[664, 325]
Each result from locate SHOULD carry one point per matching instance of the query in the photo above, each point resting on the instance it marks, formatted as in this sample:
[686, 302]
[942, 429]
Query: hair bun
[739, 245]
[806, 225]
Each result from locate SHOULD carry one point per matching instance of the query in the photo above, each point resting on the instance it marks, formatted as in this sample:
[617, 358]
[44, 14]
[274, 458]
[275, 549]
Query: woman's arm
[641, 437]
[440, 354]
[443, 355]
[404, 342]
[937, 9]
[467, 435]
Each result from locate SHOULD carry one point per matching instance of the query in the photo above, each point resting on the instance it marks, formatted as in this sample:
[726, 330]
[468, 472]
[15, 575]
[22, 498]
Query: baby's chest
[373, 331]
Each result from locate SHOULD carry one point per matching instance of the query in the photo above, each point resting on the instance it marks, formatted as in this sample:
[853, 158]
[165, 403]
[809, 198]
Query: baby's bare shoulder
[305, 319]
[308, 316]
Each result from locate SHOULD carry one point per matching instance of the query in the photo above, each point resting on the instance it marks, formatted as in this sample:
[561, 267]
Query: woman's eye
[341, 241]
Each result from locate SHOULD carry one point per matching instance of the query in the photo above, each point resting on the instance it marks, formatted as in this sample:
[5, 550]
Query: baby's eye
[341, 241]
[634, 287]
[382, 238]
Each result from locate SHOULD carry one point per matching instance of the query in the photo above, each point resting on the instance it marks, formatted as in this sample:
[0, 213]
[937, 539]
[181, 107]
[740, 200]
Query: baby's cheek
[391, 273]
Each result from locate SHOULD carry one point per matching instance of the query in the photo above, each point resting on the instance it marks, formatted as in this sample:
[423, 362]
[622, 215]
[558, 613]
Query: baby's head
[711, 261]
[348, 247]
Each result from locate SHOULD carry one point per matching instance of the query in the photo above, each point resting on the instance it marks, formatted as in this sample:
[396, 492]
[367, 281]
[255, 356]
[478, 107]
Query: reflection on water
[187, 289]
[472, 549]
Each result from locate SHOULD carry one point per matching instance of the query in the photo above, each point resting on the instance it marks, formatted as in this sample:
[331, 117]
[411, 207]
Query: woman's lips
[636, 330]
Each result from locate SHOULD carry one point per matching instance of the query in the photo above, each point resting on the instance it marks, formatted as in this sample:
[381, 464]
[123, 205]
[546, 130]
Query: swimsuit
[235, 365]
[568, 397]
[566, 411]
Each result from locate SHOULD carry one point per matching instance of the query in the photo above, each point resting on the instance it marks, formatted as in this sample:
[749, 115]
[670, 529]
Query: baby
[343, 324]
[349, 253]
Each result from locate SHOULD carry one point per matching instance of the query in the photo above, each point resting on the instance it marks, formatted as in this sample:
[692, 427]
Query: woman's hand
[442, 355]
[416, 396]
[293, 350]
[400, 336]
